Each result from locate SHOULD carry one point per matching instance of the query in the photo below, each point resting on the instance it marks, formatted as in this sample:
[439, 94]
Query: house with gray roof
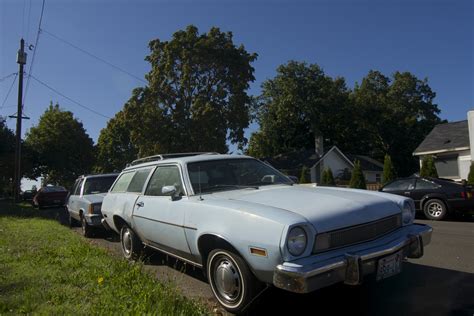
[451, 146]
[340, 164]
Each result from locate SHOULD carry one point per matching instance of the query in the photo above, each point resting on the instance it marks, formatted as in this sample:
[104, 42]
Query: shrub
[428, 168]
[328, 178]
[388, 170]
[357, 178]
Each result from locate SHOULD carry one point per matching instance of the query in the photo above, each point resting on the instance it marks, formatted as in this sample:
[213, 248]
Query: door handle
[140, 204]
[407, 193]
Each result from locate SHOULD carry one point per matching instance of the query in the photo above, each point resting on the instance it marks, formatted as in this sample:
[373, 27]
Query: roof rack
[168, 156]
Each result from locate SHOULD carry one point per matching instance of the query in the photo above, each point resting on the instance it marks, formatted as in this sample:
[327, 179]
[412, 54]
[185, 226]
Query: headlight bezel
[408, 212]
[297, 241]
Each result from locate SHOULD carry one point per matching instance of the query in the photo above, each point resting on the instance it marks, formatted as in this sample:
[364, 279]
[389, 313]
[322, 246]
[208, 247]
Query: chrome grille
[356, 234]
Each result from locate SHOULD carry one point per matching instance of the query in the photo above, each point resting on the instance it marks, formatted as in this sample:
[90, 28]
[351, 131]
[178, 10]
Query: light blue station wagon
[248, 225]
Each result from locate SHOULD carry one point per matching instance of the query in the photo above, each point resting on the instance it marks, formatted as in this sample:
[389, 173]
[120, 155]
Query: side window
[123, 181]
[77, 187]
[425, 185]
[138, 180]
[399, 185]
[165, 176]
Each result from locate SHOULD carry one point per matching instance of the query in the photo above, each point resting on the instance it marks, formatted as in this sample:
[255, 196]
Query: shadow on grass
[25, 210]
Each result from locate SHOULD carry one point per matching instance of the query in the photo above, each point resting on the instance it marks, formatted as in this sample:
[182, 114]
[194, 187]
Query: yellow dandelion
[100, 280]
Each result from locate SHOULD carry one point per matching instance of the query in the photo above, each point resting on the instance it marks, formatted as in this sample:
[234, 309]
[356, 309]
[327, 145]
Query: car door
[73, 200]
[402, 187]
[422, 188]
[159, 217]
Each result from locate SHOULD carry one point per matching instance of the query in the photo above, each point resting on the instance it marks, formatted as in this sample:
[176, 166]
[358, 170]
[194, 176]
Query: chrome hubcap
[435, 209]
[127, 242]
[227, 279]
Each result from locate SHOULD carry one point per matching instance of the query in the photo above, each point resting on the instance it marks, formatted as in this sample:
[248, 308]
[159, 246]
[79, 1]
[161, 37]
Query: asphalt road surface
[440, 283]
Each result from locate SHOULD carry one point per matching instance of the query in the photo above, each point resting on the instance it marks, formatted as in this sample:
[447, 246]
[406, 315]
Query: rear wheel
[232, 282]
[132, 246]
[435, 209]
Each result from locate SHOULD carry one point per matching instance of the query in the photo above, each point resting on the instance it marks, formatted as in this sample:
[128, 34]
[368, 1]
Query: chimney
[319, 147]
[470, 124]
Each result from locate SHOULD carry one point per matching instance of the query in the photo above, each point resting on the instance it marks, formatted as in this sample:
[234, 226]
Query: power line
[6, 77]
[68, 98]
[30, 71]
[9, 90]
[93, 56]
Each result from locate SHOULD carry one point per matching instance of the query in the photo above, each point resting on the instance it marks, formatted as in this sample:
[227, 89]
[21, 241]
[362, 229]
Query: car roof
[188, 159]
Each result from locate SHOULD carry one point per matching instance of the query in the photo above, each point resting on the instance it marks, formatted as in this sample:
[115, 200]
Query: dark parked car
[435, 197]
[28, 195]
[50, 196]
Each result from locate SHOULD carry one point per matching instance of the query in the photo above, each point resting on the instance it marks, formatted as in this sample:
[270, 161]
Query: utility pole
[21, 60]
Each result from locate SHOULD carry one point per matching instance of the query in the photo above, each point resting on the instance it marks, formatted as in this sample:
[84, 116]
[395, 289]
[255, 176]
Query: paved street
[441, 283]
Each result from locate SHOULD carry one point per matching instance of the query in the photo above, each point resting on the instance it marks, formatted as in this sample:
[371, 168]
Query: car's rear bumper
[349, 265]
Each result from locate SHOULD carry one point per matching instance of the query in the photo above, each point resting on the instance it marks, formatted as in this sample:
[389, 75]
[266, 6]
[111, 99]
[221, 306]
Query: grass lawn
[45, 268]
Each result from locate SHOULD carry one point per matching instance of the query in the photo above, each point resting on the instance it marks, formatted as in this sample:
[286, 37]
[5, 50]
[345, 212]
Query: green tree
[304, 175]
[470, 176]
[388, 170]
[198, 88]
[62, 146]
[357, 178]
[114, 147]
[7, 155]
[393, 116]
[299, 103]
[428, 168]
[328, 178]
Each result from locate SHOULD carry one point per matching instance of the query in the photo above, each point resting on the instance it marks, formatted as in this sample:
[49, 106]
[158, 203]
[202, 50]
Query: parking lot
[440, 283]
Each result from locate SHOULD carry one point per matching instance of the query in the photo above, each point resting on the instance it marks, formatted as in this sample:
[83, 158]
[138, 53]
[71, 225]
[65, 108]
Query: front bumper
[93, 219]
[350, 264]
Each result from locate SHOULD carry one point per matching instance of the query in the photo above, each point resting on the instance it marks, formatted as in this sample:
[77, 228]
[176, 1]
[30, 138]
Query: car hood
[94, 198]
[326, 208]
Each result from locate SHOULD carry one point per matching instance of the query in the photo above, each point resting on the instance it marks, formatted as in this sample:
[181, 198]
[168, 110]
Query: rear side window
[399, 185]
[123, 181]
[138, 180]
[425, 185]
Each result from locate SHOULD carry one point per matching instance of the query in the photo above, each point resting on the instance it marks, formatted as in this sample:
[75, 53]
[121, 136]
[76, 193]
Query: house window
[378, 178]
[447, 166]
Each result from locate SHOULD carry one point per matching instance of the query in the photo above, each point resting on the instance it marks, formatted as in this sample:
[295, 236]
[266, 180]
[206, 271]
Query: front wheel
[435, 210]
[131, 245]
[232, 282]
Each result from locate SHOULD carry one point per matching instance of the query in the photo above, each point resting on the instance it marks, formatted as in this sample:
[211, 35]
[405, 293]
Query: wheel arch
[440, 197]
[119, 222]
[209, 241]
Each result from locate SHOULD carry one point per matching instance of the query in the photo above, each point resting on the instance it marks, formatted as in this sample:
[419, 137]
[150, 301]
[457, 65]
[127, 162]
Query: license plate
[389, 266]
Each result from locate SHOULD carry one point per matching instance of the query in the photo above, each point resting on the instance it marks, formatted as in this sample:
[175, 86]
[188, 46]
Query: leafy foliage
[380, 116]
[301, 102]
[304, 175]
[357, 178]
[328, 178]
[63, 149]
[7, 155]
[196, 100]
[428, 168]
[388, 170]
[470, 176]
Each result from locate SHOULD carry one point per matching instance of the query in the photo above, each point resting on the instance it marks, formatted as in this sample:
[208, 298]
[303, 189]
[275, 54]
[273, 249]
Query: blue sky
[432, 39]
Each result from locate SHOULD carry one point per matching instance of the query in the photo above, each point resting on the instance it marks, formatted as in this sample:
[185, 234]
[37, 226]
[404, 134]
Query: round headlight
[408, 212]
[296, 241]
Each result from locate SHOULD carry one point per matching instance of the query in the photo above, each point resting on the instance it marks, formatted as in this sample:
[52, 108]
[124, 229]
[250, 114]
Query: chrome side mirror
[168, 190]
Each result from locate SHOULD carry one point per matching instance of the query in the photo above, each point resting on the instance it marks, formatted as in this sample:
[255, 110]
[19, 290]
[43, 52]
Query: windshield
[98, 185]
[231, 174]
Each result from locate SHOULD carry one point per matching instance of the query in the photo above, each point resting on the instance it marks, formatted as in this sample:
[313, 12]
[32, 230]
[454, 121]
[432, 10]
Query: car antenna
[199, 182]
